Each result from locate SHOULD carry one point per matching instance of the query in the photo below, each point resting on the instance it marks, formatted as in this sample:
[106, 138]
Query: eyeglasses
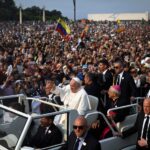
[116, 67]
[79, 127]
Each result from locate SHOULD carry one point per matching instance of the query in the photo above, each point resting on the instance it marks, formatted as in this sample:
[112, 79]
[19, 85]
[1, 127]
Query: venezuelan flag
[62, 28]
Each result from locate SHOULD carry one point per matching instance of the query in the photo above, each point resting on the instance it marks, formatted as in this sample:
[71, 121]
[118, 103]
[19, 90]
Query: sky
[85, 7]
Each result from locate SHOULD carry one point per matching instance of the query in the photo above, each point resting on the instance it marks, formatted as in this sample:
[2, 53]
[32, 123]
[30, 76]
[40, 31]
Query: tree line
[9, 12]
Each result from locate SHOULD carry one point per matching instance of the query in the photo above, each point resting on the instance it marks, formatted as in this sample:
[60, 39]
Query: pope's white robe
[78, 100]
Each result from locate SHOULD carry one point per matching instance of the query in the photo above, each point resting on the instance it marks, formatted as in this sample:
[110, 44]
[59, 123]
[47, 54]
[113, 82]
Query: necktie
[46, 130]
[118, 80]
[145, 127]
[76, 144]
[104, 79]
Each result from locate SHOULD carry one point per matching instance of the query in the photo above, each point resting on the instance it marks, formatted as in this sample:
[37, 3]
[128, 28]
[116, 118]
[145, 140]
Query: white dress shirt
[120, 77]
[82, 142]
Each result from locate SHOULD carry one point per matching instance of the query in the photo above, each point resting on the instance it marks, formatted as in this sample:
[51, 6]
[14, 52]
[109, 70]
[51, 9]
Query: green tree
[33, 13]
[8, 10]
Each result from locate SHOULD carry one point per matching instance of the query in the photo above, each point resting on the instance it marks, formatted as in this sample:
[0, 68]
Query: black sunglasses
[116, 67]
[79, 127]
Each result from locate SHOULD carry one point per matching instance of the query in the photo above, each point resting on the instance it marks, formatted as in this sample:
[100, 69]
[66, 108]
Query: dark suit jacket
[128, 88]
[91, 143]
[93, 89]
[53, 136]
[105, 81]
[121, 113]
[138, 128]
[108, 80]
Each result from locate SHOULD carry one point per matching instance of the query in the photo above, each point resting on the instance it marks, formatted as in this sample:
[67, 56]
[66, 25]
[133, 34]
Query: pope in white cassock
[73, 96]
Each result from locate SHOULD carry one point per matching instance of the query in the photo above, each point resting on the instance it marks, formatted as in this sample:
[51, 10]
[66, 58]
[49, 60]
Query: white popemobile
[15, 140]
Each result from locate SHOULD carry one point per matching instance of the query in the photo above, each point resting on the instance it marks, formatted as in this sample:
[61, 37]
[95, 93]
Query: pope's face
[74, 86]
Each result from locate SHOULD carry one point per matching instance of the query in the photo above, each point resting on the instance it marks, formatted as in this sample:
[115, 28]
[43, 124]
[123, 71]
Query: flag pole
[74, 3]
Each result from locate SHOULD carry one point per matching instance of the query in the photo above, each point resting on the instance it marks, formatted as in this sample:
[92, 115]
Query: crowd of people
[102, 61]
[32, 52]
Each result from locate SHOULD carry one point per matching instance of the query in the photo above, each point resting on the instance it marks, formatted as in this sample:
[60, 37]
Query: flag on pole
[62, 27]
[119, 27]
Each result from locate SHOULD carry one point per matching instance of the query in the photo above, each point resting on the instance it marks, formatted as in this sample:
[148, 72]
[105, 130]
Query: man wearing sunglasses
[126, 82]
[80, 138]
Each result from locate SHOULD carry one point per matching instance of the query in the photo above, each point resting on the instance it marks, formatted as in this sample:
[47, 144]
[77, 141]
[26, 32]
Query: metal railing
[45, 102]
[122, 107]
[19, 96]
[104, 117]
[137, 100]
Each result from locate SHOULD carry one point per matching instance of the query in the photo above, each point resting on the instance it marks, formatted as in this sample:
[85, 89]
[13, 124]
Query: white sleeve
[61, 91]
[84, 105]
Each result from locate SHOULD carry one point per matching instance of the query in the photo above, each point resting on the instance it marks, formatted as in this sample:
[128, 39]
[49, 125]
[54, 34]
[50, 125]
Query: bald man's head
[82, 120]
[80, 126]
[146, 106]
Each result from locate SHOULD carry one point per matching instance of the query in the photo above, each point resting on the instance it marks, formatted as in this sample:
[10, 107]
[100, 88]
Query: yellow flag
[62, 27]
[118, 21]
